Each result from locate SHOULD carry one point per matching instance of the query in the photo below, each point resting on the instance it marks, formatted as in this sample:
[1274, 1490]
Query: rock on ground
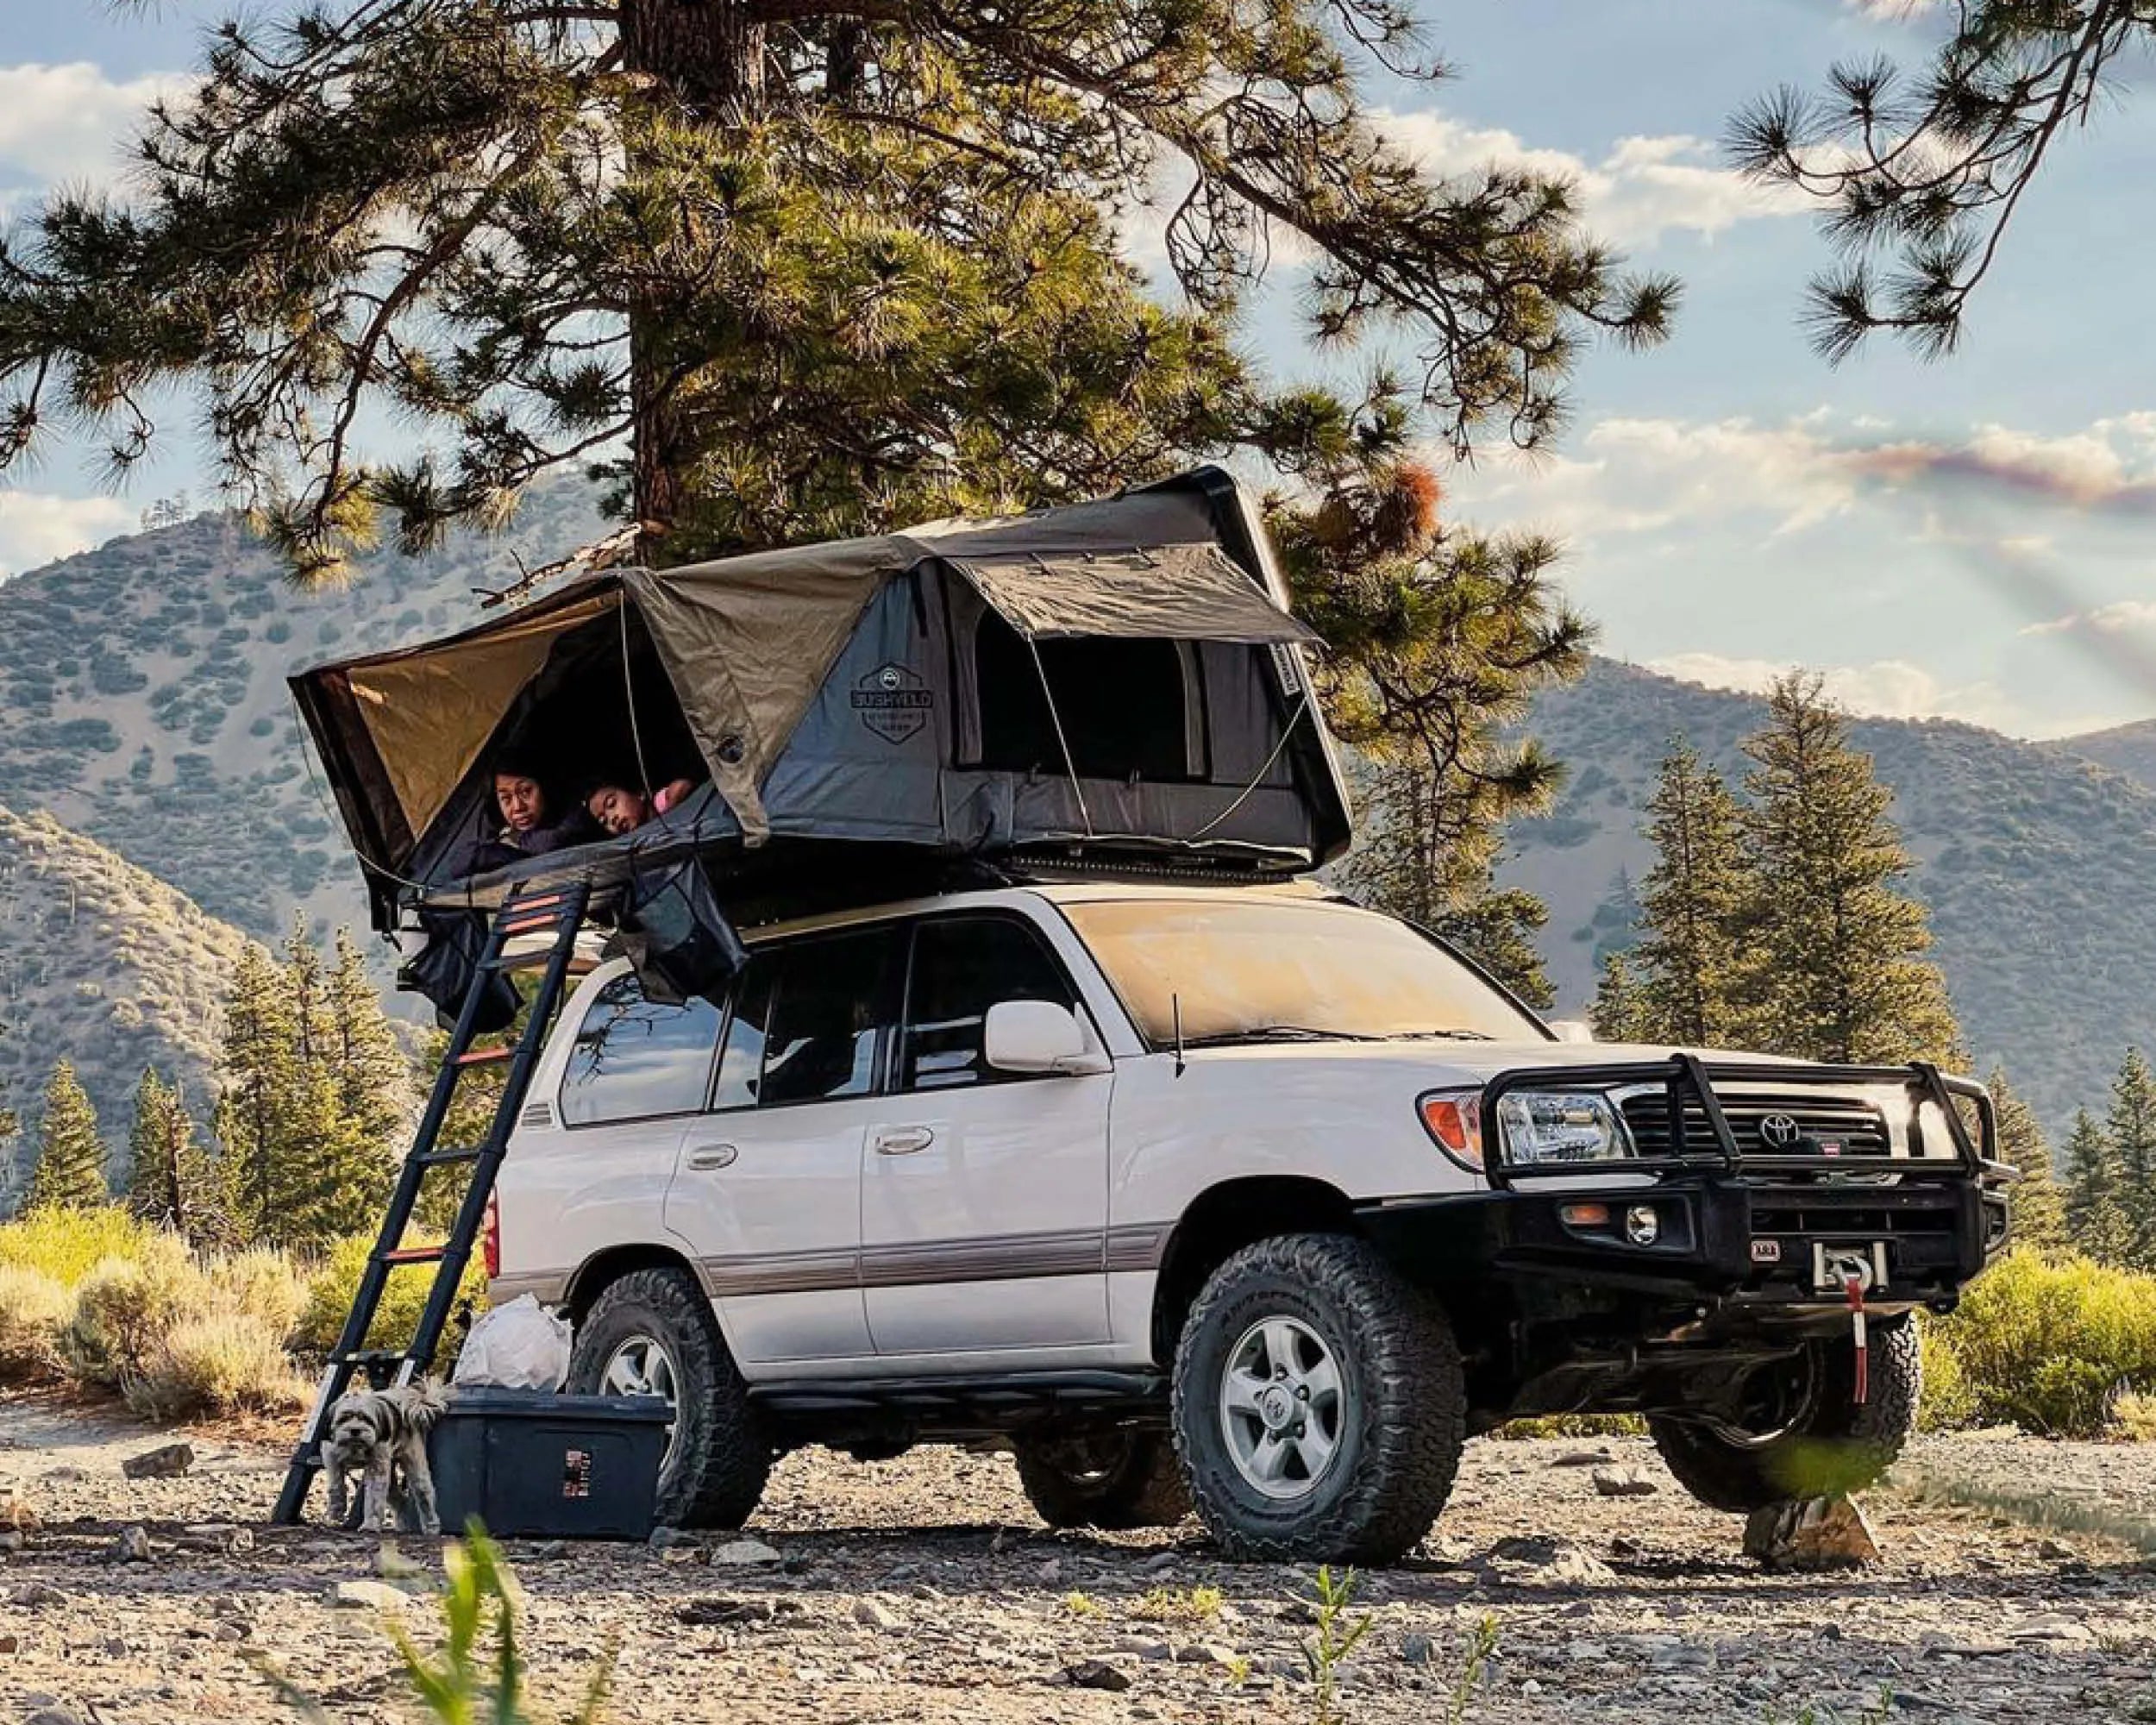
[924, 1590]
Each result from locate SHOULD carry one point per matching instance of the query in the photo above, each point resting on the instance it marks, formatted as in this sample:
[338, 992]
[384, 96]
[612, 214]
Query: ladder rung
[484, 1056]
[366, 1356]
[532, 925]
[442, 1159]
[538, 901]
[523, 960]
[415, 1254]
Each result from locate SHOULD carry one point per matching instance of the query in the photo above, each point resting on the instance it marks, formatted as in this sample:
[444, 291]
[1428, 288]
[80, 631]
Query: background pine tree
[259, 1069]
[173, 1179]
[2039, 1203]
[1619, 1013]
[2130, 1126]
[1832, 958]
[70, 1171]
[2096, 1219]
[1692, 907]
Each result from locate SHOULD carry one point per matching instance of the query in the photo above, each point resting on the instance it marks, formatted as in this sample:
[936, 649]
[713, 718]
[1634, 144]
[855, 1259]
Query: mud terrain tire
[1115, 1481]
[1397, 1404]
[721, 1459]
[1835, 1442]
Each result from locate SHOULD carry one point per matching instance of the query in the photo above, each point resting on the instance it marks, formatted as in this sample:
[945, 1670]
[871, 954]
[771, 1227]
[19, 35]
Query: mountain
[143, 686]
[2128, 750]
[102, 961]
[2039, 866]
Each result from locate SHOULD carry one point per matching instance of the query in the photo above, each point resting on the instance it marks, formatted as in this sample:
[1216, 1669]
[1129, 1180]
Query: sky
[1964, 539]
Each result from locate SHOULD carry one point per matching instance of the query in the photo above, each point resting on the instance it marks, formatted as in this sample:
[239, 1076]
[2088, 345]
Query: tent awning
[1181, 592]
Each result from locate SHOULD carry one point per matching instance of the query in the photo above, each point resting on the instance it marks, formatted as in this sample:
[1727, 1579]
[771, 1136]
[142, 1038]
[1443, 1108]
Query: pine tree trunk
[708, 58]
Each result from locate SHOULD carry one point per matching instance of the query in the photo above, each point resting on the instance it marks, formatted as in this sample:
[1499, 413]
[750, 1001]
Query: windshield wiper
[1447, 1035]
[1277, 1033]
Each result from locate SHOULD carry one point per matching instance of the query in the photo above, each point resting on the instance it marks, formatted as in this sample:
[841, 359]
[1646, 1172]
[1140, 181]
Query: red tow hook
[1853, 1285]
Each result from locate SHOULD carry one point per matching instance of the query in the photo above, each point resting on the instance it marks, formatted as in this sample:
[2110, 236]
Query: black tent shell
[1103, 685]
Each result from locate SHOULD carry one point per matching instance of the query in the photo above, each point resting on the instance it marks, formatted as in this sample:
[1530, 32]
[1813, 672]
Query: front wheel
[1796, 1429]
[1319, 1404]
[652, 1333]
[1116, 1481]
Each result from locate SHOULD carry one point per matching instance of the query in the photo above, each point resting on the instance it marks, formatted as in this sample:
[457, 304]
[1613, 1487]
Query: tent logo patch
[893, 702]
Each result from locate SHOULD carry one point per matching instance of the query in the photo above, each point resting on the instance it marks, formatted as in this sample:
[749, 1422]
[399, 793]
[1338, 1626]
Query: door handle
[905, 1140]
[706, 1156]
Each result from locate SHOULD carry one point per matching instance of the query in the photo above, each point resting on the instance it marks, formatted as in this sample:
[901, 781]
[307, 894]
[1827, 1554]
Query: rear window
[635, 1059]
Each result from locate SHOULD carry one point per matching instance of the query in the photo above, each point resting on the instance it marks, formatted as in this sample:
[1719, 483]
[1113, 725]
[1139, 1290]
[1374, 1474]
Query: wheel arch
[597, 1272]
[1223, 1219]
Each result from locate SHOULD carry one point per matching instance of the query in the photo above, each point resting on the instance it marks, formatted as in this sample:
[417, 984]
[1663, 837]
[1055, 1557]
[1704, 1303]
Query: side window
[831, 1000]
[635, 1058]
[741, 1057]
[962, 967]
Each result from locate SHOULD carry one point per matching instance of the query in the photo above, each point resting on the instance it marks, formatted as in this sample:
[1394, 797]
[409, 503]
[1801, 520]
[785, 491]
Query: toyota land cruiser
[1243, 1199]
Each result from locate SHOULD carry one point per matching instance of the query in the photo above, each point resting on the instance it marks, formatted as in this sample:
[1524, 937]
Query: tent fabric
[1176, 592]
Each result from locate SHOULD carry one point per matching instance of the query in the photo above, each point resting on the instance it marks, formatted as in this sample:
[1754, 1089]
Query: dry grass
[219, 1362]
[34, 1312]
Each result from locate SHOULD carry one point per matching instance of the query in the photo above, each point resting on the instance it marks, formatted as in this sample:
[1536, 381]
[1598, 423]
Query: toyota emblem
[1780, 1130]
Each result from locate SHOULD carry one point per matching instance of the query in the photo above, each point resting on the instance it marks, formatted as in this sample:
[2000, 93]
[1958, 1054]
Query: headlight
[1454, 1118]
[1561, 1126]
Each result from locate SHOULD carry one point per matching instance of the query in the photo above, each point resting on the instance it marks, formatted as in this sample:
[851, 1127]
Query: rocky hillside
[144, 689]
[2038, 865]
[105, 963]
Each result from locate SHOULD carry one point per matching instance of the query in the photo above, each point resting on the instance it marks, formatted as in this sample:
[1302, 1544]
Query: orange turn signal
[1454, 1118]
[1585, 1215]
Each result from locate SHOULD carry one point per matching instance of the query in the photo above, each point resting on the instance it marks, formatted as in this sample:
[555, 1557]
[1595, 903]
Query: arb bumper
[1719, 1214]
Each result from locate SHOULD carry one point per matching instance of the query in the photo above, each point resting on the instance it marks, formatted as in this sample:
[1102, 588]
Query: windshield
[1244, 969]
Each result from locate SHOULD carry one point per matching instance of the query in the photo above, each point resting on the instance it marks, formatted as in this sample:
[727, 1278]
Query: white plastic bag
[521, 1345]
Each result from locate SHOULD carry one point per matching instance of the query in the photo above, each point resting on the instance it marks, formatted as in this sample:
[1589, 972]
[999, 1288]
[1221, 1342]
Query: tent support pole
[1056, 719]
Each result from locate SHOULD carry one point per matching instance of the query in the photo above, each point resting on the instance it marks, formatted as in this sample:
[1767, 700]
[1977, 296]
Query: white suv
[1243, 1198]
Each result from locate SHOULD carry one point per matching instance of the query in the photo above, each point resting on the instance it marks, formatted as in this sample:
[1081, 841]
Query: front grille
[1871, 1223]
[1855, 1125]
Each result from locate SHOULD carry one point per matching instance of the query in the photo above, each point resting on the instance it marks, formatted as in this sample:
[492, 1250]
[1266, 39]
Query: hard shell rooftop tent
[1106, 684]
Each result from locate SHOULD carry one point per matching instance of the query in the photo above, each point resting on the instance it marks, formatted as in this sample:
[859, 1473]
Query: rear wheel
[1113, 1480]
[1319, 1404]
[652, 1333]
[1795, 1428]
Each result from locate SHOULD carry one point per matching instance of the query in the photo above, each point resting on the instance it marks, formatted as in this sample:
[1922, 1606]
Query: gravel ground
[923, 1589]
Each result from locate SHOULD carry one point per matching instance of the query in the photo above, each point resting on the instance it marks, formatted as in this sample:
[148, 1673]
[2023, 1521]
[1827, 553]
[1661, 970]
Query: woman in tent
[534, 821]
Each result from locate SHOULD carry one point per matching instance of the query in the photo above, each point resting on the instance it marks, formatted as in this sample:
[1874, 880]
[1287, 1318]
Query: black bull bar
[1687, 1079]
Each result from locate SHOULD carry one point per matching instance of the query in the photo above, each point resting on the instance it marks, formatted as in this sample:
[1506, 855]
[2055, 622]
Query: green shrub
[125, 1307]
[1949, 1402]
[67, 1244]
[228, 1362]
[35, 1310]
[262, 1284]
[2048, 1344]
[335, 1280]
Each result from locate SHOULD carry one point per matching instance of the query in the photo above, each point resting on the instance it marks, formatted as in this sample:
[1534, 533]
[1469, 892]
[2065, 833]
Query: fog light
[1642, 1226]
[1585, 1215]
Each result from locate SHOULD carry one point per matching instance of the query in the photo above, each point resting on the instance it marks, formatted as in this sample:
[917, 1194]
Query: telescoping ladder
[536, 931]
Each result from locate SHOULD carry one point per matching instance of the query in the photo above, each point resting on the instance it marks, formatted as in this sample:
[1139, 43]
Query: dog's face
[359, 1429]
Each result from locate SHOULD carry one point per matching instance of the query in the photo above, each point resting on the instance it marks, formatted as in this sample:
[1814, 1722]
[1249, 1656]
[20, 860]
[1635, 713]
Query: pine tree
[375, 1079]
[808, 267]
[1692, 906]
[258, 1068]
[2040, 1203]
[2096, 1223]
[70, 1171]
[173, 1180]
[1832, 960]
[2130, 1126]
[1932, 167]
[1620, 1013]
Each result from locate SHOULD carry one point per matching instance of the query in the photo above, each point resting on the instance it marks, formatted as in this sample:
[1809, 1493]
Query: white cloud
[2124, 617]
[69, 123]
[36, 528]
[1886, 688]
[1642, 189]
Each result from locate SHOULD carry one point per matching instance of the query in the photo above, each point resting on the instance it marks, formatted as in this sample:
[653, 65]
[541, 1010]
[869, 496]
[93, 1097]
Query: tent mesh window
[1130, 709]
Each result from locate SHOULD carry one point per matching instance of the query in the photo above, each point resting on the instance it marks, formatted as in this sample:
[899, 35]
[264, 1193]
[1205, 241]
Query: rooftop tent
[1113, 681]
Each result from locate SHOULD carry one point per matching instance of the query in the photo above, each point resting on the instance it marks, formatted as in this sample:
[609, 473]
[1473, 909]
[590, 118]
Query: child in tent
[620, 809]
[532, 823]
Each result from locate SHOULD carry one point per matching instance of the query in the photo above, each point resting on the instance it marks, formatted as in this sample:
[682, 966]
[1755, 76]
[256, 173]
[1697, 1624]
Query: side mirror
[1039, 1036]
[1571, 1030]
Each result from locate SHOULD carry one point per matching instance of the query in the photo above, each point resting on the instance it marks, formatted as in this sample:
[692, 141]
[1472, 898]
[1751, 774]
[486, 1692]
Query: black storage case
[532, 1464]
